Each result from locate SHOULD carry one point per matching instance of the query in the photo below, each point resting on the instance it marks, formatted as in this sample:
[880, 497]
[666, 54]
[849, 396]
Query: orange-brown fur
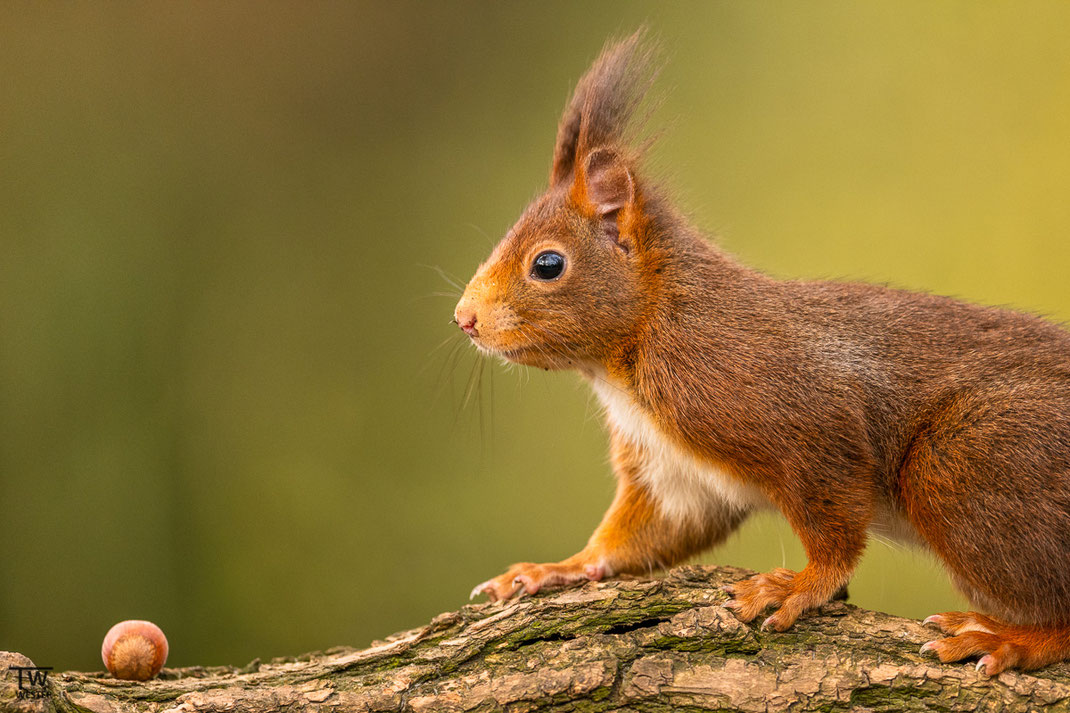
[837, 403]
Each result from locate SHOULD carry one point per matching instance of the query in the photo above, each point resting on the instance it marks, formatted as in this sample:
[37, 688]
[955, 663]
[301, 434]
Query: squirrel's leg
[634, 537]
[987, 484]
[833, 544]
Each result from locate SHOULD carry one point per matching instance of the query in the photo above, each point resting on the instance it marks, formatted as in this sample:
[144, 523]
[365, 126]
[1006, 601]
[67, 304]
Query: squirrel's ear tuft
[603, 103]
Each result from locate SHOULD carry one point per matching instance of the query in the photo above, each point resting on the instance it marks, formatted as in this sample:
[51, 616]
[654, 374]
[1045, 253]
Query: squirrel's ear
[608, 181]
[606, 186]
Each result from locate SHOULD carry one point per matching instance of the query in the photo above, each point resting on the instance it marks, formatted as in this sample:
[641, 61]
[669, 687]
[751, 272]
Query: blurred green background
[221, 403]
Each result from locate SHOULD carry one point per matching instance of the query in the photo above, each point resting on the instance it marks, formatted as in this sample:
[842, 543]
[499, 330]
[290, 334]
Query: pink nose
[467, 322]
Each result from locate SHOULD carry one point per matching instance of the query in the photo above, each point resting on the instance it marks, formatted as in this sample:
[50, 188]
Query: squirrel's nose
[466, 320]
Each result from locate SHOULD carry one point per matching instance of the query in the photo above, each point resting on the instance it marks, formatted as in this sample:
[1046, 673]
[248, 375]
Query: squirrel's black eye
[548, 266]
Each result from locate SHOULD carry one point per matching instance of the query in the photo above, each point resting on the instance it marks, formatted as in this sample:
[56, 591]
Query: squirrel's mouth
[498, 344]
[543, 356]
[510, 353]
[538, 356]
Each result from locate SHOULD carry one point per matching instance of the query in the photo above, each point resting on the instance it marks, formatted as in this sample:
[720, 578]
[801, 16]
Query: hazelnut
[134, 650]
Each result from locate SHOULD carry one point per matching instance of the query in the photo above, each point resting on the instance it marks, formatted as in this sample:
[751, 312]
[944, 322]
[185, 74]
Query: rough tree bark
[645, 645]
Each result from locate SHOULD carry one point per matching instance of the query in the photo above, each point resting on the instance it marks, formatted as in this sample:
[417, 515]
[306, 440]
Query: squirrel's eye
[548, 266]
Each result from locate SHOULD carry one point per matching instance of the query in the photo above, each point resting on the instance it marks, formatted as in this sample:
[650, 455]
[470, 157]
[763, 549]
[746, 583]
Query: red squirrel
[847, 407]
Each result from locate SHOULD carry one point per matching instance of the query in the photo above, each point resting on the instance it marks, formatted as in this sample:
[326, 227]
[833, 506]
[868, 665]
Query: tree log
[640, 644]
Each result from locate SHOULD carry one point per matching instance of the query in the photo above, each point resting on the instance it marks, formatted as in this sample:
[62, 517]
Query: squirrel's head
[566, 286]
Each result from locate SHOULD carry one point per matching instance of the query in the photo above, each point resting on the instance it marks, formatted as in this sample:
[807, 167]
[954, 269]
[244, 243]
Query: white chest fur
[684, 486]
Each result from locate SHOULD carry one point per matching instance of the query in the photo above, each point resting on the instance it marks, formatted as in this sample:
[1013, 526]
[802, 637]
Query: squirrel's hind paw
[956, 622]
[1002, 646]
[998, 654]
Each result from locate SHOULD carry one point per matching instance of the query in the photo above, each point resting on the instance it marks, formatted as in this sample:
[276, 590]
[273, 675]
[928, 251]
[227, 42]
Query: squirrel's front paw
[751, 596]
[791, 592]
[530, 578]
